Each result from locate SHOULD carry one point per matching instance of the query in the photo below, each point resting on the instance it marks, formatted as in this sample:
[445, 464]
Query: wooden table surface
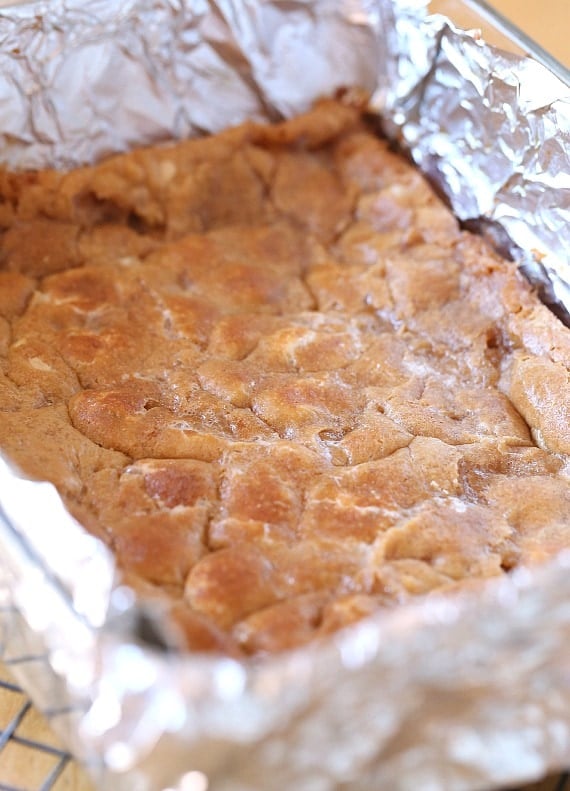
[545, 21]
[22, 764]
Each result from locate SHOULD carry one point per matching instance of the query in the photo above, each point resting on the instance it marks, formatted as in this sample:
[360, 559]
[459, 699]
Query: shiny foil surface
[469, 693]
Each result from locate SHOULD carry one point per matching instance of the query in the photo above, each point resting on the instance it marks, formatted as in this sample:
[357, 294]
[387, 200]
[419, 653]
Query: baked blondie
[272, 373]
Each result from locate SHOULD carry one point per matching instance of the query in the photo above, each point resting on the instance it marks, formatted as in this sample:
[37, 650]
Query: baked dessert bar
[270, 371]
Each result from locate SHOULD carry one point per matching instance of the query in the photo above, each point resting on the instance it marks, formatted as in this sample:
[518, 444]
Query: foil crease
[442, 694]
[81, 80]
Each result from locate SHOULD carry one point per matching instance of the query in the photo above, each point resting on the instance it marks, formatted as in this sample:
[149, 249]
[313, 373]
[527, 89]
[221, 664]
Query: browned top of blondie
[269, 370]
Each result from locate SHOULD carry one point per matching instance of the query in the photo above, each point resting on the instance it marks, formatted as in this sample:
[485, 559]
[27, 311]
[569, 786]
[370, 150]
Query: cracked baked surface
[269, 370]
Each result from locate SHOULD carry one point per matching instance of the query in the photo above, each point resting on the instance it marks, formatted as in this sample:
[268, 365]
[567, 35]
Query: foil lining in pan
[440, 695]
[492, 130]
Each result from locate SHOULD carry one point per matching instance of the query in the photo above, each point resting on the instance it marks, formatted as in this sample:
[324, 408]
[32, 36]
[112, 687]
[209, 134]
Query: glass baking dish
[469, 692]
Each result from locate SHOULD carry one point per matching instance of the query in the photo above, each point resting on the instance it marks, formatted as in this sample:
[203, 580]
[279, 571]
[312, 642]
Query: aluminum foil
[442, 694]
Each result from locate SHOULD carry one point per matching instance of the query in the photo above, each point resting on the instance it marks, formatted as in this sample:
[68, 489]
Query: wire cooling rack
[32, 759]
[31, 756]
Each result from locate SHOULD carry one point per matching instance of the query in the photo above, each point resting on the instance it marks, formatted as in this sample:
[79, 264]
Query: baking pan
[463, 693]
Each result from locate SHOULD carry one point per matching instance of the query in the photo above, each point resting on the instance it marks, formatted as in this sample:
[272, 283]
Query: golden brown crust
[273, 374]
